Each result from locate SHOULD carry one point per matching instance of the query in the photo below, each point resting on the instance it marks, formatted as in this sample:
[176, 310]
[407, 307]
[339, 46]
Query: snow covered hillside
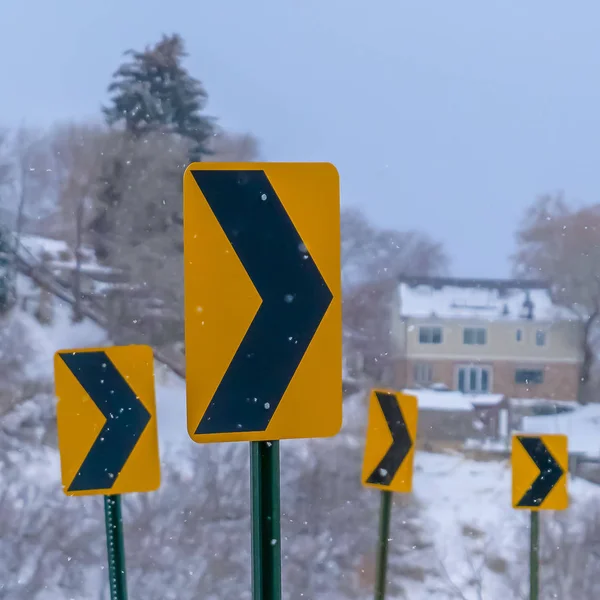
[455, 537]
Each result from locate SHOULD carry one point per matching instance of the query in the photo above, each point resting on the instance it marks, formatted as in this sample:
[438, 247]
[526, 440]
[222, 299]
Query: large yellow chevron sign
[263, 322]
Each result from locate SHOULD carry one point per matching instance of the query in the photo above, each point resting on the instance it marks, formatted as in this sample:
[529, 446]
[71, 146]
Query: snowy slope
[466, 509]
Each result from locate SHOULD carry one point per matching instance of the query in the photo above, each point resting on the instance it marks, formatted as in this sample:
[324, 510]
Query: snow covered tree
[234, 147]
[154, 92]
[137, 227]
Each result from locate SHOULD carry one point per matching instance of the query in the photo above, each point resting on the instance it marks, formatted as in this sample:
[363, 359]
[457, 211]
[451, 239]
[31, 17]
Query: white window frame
[530, 383]
[431, 328]
[418, 369]
[480, 368]
[476, 331]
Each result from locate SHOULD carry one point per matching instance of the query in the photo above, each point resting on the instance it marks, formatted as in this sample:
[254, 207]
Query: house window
[474, 379]
[430, 335]
[540, 338]
[519, 335]
[529, 376]
[423, 373]
[474, 335]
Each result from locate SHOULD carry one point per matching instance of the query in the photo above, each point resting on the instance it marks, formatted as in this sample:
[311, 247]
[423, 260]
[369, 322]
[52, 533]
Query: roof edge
[475, 282]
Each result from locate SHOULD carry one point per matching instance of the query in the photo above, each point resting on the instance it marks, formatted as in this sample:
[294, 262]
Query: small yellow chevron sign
[390, 445]
[539, 472]
[106, 419]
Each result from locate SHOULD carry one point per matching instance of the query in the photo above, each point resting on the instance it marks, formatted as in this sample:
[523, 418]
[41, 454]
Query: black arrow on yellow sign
[294, 297]
[126, 419]
[550, 472]
[386, 470]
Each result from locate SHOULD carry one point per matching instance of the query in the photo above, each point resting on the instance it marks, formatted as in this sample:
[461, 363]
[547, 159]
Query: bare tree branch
[561, 244]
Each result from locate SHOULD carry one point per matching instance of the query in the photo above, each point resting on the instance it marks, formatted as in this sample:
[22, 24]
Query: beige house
[485, 336]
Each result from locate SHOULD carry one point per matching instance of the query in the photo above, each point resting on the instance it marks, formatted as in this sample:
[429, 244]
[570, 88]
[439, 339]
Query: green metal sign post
[534, 556]
[266, 527]
[115, 546]
[382, 544]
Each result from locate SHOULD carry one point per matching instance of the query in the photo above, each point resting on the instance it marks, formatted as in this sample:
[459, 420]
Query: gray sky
[447, 116]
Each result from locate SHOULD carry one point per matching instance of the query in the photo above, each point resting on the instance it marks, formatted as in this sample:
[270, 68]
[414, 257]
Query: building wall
[562, 340]
[446, 425]
[398, 328]
[561, 380]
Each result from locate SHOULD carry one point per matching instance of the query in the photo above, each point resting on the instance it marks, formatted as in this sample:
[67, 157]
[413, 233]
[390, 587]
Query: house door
[474, 379]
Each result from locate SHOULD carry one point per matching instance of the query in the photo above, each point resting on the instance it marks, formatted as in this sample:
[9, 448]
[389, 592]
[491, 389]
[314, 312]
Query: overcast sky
[448, 116]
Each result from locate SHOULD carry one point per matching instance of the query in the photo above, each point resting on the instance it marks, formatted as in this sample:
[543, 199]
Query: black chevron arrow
[550, 471]
[294, 299]
[126, 419]
[386, 470]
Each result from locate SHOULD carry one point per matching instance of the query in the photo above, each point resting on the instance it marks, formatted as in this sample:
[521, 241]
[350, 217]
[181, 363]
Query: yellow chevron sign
[390, 445]
[263, 313]
[106, 418]
[540, 465]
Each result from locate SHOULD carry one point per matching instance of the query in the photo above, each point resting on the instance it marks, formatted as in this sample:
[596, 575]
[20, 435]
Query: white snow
[434, 400]
[460, 494]
[61, 334]
[57, 252]
[486, 399]
[171, 413]
[89, 269]
[39, 246]
[582, 426]
[454, 302]
[533, 402]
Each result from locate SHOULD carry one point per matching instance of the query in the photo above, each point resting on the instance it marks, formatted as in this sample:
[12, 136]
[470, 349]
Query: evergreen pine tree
[137, 225]
[153, 91]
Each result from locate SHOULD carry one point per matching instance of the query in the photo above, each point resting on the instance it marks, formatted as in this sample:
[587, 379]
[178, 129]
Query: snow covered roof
[488, 299]
[486, 399]
[435, 400]
[534, 402]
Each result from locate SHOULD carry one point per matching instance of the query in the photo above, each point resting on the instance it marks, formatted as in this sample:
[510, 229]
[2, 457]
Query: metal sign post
[382, 545]
[115, 547]
[266, 528]
[534, 556]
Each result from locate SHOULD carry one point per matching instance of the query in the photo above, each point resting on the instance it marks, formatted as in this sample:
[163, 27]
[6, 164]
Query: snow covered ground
[466, 509]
